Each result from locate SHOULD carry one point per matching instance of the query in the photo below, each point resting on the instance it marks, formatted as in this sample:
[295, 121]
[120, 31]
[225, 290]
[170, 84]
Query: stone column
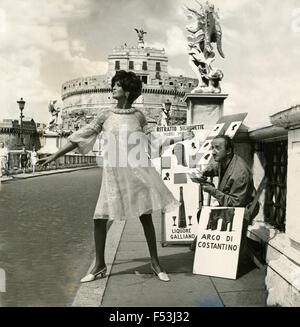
[290, 119]
[204, 108]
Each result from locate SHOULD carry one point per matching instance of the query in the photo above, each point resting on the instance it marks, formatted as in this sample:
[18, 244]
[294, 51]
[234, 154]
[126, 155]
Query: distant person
[33, 159]
[3, 159]
[165, 115]
[23, 158]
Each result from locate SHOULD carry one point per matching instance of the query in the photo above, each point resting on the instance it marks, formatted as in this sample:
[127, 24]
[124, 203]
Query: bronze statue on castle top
[140, 34]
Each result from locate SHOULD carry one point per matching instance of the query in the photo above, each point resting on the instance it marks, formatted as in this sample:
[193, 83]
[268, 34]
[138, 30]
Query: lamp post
[21, 104]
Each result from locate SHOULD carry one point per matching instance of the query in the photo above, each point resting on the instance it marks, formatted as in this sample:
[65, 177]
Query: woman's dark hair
[129, 82]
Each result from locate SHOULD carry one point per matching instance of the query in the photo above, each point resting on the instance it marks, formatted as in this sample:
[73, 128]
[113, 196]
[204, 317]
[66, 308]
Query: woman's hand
[65, 149]
[148, 130]
[45, 161]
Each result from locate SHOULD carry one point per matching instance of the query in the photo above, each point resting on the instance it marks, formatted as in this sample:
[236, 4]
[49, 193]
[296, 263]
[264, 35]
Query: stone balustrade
[67, 161]
[282, 246]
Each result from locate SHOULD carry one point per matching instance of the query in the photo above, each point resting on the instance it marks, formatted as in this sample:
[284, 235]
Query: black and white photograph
[149, 156]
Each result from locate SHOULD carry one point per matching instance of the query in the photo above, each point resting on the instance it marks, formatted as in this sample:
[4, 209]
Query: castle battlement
[85, 83]
[148, 51]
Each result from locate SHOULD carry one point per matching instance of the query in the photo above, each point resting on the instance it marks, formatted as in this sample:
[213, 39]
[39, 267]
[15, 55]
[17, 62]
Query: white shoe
[163, 276]
[90, 277]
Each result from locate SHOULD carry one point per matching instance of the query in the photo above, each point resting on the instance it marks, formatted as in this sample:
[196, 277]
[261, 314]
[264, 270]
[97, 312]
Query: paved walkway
[130, 282]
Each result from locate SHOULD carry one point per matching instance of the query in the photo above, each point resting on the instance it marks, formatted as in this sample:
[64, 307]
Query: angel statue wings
[54, 110]
[140, 34]
[205, 30]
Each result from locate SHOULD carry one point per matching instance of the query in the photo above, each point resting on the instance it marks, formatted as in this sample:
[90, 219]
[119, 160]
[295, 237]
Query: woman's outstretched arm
[65, 149]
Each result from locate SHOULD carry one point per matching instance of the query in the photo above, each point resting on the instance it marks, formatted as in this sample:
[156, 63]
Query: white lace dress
[129, 187]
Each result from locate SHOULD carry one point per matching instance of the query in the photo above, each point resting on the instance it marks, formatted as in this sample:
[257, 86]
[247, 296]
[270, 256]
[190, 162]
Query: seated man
[235, 187]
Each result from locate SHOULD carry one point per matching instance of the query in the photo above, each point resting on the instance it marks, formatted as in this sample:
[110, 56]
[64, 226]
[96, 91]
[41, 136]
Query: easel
[201, 200]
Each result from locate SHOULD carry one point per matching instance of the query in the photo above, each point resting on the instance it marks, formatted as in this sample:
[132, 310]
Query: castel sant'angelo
[83, 97]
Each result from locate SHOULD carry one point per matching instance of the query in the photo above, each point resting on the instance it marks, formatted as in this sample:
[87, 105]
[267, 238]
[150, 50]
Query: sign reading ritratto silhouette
[218, 242]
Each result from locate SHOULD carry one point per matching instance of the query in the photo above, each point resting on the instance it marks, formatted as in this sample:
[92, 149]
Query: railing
[67, 161]
[276, 172]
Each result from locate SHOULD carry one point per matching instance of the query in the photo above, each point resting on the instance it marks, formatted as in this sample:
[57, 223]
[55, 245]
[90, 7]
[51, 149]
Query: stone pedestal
[204, 108]
[50, 143]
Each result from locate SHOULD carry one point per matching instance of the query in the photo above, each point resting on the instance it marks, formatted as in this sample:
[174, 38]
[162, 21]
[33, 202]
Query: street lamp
[21, 104]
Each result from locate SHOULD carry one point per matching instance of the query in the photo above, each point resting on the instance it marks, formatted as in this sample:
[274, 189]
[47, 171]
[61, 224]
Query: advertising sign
[218, 242]
[177, 162]
[180, 226]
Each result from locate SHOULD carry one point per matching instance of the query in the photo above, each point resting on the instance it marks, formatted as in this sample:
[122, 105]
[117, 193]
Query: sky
[44, 43]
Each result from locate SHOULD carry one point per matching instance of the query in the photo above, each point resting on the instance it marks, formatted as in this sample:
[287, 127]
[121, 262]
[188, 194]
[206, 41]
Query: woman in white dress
[130, 188]
[33, 159]
[3, 159]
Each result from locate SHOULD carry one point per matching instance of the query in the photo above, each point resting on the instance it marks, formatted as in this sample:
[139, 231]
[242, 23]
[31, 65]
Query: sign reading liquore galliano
[218, 242]
[180, 225]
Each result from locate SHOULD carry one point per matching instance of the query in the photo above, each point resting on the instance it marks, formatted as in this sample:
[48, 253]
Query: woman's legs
[100, 238]
[149, 231]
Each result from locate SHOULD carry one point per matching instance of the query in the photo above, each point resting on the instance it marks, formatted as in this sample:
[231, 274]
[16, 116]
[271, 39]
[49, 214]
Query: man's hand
[197, 177]
[207, 187]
